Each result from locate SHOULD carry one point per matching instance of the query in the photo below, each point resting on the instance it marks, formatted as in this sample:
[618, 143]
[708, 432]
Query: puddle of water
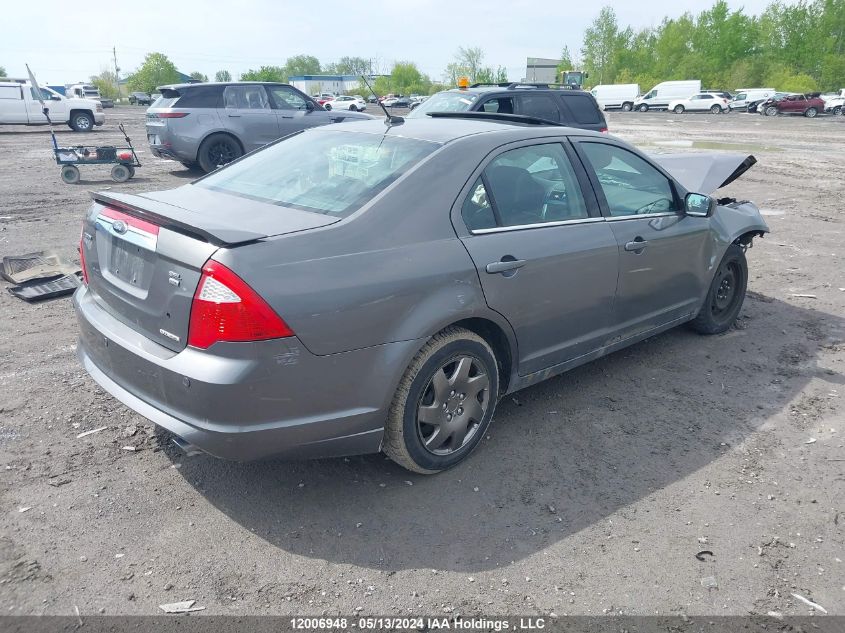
[772, 212]
[748, 147]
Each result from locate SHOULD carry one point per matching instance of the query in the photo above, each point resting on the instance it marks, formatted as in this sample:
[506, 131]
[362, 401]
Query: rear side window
[584, 109]
[249, 97]
[323, 171]
[541, 106]
[202, 97]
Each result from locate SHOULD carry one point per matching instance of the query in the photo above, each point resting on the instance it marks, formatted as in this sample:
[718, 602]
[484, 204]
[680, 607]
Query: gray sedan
[363, 288]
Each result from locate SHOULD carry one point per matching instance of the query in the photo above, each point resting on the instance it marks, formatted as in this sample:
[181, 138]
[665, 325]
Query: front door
[662, 252]
[247, 114]
[546, 259]
[292, 110]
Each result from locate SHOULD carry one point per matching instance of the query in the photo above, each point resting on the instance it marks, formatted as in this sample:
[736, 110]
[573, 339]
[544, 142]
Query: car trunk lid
[144, 253]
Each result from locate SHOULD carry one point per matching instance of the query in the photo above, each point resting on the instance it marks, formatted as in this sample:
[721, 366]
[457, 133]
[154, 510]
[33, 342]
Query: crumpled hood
[705, 172]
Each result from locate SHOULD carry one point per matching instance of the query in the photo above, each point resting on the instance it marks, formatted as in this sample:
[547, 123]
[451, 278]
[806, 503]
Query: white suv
[346, 102]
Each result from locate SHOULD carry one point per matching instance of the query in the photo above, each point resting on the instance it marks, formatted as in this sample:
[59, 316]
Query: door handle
[505, 265]
[637, 245]
[287, 117]
[234, 115]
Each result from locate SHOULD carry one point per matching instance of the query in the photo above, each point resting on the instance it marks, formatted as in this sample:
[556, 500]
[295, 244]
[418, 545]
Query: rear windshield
[323, 171]
[444, 102]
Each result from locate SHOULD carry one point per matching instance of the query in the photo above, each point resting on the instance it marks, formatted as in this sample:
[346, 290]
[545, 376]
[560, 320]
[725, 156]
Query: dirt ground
[592, 494]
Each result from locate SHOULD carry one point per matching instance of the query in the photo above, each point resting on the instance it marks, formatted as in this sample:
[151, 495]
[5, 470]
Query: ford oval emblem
[119, 227]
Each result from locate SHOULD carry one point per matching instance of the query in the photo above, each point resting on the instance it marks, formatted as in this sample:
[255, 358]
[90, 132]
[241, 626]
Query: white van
[616, 96]
[743, 96]
[658, 98]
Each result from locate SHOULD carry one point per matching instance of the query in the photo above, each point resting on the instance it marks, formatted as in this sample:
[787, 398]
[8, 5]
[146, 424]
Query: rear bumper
[246, 401]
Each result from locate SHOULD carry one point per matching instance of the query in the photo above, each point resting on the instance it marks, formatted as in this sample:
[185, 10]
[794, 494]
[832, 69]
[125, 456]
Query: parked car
[701, 102]
[388, 102]
[282, 306]
[140, 98]
[724, 94]
[752, 106]
[834, 103]
[346, 102]
[400, 102]
[570, 107]
[211, 124]
[808, 105]
[19, 105]
[744, 96]
[616, 96]
[659, 97]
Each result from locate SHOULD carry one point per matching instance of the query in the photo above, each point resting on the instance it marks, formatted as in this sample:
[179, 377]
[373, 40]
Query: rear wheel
[327, 106]
[444, 402]
[716, 109]
[837, 110]
[218, 150]
[353, 108]
[627, 107]
[726, 294]
[70, 174]
[81, 122]
[810, 113]
[679, 109]
[120, 173]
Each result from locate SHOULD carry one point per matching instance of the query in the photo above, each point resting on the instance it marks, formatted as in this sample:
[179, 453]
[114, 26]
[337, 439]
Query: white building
[541, 70]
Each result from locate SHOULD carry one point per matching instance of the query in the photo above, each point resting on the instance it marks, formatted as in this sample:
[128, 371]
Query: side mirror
[309, 105]
[698, 205]
[55, 98]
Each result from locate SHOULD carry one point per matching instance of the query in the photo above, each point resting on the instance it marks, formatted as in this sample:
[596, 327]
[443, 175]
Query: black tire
[132, 100]
[131, 171]
[811, 113]
[216, 150]
[404, 434]
[726, 294]
[120, 173]
[715, 109]
[353, 108]
[627, 107]
[679, 109]
[837, 110]
[327, 106]
[771, 111]
[70, 174]
[643, 107]
[81, 121]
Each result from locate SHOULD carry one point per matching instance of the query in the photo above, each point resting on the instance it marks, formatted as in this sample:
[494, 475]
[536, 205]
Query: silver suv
[211, 124]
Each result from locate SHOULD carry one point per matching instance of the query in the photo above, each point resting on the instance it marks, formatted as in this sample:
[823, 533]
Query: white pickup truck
[835, 104]
[19, 105]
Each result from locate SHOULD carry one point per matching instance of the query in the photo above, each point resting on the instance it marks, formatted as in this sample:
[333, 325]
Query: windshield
[322, 171]
[448, 101]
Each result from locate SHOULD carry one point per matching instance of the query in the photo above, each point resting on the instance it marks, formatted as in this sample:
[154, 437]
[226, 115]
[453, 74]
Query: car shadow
[559, 456]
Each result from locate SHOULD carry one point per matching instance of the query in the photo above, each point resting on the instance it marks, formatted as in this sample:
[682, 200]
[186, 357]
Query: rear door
[663, 253]
[247, 114]
[546, 259]
[537, 104]
[12, 106]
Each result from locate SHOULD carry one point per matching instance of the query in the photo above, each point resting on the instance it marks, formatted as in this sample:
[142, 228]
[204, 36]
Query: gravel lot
[592, 494]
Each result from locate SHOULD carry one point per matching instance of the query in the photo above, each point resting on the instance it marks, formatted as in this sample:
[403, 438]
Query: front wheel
[679, 109]
[642, 107]
[837, 110]
[726, 294]
[771, 111]
[444, 402]
[70, 174]
[218, 150]
[120, 173]
[810, 113]
[81, 122]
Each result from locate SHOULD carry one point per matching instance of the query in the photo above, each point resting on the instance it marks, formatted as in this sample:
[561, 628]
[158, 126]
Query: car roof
[445, 130]
[514, 87]
[222, 83]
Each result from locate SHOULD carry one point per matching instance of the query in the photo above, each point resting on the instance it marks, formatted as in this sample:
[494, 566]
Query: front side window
[285, 98]
[524, 186]
[324, 171]
[249, 97]
[503, 105]
[630, 185]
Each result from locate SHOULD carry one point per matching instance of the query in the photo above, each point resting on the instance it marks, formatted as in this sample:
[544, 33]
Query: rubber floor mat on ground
[39, 290]
[42, 265]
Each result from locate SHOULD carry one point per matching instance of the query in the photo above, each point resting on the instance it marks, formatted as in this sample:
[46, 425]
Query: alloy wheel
[221, 153]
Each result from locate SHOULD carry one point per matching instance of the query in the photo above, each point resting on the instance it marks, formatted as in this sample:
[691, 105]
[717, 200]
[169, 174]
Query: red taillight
[604, 130]
[82, 263]
[172, 115]
[225, 308]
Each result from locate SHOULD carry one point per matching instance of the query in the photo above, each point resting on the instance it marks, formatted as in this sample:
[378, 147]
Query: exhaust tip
[189, 449]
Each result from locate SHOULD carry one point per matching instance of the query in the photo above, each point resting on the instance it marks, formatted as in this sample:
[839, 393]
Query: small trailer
[124, 159]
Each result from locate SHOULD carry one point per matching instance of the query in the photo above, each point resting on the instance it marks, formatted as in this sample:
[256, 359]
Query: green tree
[222, 75]
[2, 71]
[301, 65]
[198, 76]
[350, 66]
[601, 40]
[265, 73]
[106, 83]
[157, 70]
[470, 59]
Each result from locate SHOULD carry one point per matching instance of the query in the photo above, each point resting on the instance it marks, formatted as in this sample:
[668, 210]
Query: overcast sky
[63, 44]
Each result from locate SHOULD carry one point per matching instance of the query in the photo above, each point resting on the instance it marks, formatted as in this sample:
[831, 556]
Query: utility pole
[116, 70]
